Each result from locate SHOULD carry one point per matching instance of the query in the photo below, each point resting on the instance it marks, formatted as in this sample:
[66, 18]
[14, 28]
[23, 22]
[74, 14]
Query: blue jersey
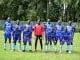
[8, 27]
[27, 33]
[28, 27]
[59, 29]
[17, 29]
[48, 28]
[71, 28]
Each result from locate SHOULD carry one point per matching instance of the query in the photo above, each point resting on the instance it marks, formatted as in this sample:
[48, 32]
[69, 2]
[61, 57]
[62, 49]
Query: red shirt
[38, 29]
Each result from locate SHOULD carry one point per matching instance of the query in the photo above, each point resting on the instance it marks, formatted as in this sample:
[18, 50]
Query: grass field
[17, 55]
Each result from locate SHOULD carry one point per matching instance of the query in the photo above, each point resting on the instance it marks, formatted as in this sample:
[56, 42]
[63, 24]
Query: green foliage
[31, 9]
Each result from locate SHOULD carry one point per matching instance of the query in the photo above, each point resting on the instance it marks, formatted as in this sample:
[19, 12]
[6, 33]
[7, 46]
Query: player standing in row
[48, 31]
[17, 29]
[7, 32]
[38, 31]
[27, 36]
[67, 37]
[59, 30]
[71, 28]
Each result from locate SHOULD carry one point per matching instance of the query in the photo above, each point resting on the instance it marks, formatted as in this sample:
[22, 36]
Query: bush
[1, 28]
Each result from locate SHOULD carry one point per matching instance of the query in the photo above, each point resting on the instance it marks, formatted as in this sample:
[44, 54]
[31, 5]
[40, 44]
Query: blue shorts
[17, 37]
[48, 37]
[7, 36]
[67, 41]
[27, 39]
[58, 36]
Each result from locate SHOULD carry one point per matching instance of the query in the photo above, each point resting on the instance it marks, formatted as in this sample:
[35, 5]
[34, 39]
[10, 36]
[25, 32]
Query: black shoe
[23, 51]
[67, 51]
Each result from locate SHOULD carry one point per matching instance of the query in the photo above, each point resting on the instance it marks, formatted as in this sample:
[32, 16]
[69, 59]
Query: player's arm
[4, 26]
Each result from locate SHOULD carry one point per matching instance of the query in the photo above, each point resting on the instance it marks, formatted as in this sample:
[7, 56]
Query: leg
[40, 38]
[30, 45]
[46, 43]
[10, 43]
[5, 42]
[24, 47]
[61, 45]
[55, 43]
[14, 45]
[36, 42]
[19, 42]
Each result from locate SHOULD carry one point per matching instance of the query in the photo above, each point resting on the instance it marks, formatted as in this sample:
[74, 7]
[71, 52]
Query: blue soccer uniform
[17, 29]
[59, 29]
[27, 36]
[7, 32]
[66, 37]
[48, 30]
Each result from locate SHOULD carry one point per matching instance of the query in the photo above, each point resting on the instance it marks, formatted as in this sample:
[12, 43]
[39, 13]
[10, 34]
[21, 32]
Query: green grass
[9, 55]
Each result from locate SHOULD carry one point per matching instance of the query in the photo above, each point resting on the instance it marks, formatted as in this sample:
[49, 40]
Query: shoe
[23, 50]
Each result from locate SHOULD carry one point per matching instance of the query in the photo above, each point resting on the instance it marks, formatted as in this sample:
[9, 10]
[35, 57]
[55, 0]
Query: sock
[50, 46]
[14, 47]
[54, 47]
[19, 46]
[70, 48]
[24, 47]
[60, 48]
[46, 47]
[30, 47]
[10, 46]
[4, 45]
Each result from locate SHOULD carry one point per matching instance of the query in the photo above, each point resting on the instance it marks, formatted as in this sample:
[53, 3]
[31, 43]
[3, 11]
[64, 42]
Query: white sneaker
[69, 52]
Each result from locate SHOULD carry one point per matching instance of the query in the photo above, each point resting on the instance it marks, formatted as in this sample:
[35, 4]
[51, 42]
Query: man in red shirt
[38, 31]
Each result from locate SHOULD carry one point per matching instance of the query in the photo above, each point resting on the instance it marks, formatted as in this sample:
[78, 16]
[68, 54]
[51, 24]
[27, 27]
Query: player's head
[70, 23]
[39, 21]
[28, 21]
[59, 22]
[65, 29]
[48, 21]
[18, 22]
[8, 19]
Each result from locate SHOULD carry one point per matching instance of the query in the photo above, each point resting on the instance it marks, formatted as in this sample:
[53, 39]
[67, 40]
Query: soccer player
[7, 32]
[71, 28]
[27, 36]
[59, 29]
[48, 31]
[66, 37]
[17, 29]
[38, 31]
[53, 37]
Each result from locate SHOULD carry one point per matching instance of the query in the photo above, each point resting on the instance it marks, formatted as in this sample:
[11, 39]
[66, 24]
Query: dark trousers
[40, 39]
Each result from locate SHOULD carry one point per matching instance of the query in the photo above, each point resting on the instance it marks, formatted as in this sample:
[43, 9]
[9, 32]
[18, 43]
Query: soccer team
[53, 33]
